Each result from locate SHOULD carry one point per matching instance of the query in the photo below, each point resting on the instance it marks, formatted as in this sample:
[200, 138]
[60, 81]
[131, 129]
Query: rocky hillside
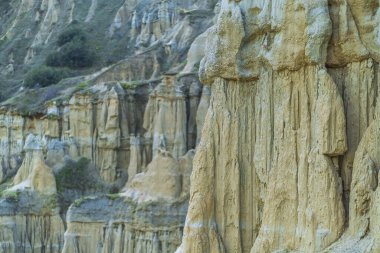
[198, 126]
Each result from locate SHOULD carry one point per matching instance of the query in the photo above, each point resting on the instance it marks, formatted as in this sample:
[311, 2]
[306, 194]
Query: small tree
[44, 76]
[75, 52]
[71, 34]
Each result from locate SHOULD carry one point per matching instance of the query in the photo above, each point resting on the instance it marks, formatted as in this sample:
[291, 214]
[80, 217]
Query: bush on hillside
[73, 55]
[71, 34]
[44, 76]
[75, 52]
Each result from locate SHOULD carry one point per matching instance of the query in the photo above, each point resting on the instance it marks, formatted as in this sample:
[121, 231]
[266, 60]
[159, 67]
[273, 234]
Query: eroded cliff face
[153, 163]
[94, 156]
[280, 132]
[294, 92]
[30, 219]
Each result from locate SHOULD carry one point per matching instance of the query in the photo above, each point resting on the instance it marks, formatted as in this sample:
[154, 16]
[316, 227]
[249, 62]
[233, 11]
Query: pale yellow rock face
[165, 118]
[146, 217]
[34, 173]
[364, 202]
[274, 170]
[14, 230]
[267, 199]
[362, 234]
[98, 130]
[358, 85]
[162, 180]
[166, 178]
[278, 152]
[204, 104]
[136, 234]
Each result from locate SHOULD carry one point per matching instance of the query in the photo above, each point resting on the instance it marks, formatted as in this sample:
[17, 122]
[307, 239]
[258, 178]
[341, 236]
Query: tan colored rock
[162, 180]
[14, 230]
[364, 200]
[136, 158]
[81, 123]
[11, 142]
[107, 134]
[194, 97]
[14, 129]
[165, 118]
[345, 44]
[367, 18]
[268, 146]
[204, 104]
[196, 53]
[98, 128]
[124, 227]
[276, 198]
[362, 234]
[186, 168]
[34, 173]
[359, 88]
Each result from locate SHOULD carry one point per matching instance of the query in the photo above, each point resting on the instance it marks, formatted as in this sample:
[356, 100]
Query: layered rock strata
[148, 216]
[30, 222]
[146, 227]
[165, 118]
[95, 124]
[29, 216]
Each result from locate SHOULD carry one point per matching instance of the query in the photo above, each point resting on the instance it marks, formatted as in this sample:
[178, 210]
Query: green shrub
[78, 175]
[3, 40]
[44, 76]
[13, 196]
[130, 85]
[82, 85]
[76, 51]
[73, 175]
[71, 34]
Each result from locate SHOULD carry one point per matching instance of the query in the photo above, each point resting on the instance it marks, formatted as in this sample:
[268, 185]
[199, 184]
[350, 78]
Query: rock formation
[272, 166]
[34, 173]
[165, 118]
[128, 225]
[29, 216]
[242, 126]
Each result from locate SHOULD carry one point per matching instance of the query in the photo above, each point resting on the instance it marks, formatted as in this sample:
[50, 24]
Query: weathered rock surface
[30, 222]
[34, 173]
[109, 124]
[125, 226]
[165, 118]
[273, 169]
[148, 216]
[286, 129]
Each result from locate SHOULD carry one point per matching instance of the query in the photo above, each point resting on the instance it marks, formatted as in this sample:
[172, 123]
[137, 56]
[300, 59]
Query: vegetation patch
[79, 202]
[113, 196]
[76, 51]
[44, 76]
[13, 196]
[31, 102]
[4, 186]
[78, 175]
[70, 34]
[73, 175]
[130, 85]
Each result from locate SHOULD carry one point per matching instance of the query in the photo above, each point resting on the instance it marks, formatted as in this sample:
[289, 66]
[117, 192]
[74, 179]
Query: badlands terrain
[200, 126]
